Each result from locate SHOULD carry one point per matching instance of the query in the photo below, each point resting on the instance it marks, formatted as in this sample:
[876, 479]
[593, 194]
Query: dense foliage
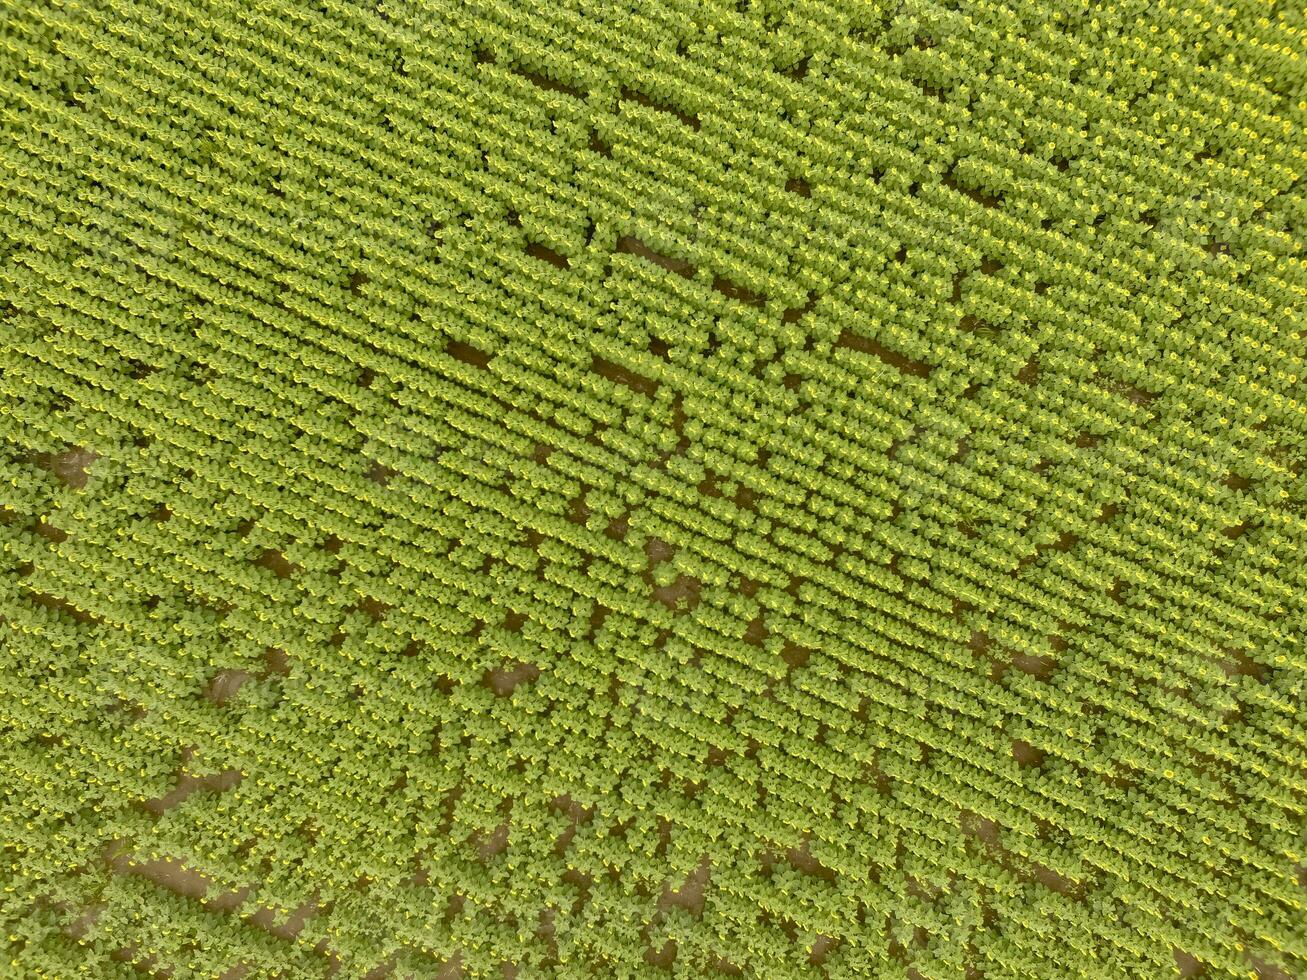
[592, 489]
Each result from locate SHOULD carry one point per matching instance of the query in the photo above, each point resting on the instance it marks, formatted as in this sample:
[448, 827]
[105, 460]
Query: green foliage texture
[586, 488]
